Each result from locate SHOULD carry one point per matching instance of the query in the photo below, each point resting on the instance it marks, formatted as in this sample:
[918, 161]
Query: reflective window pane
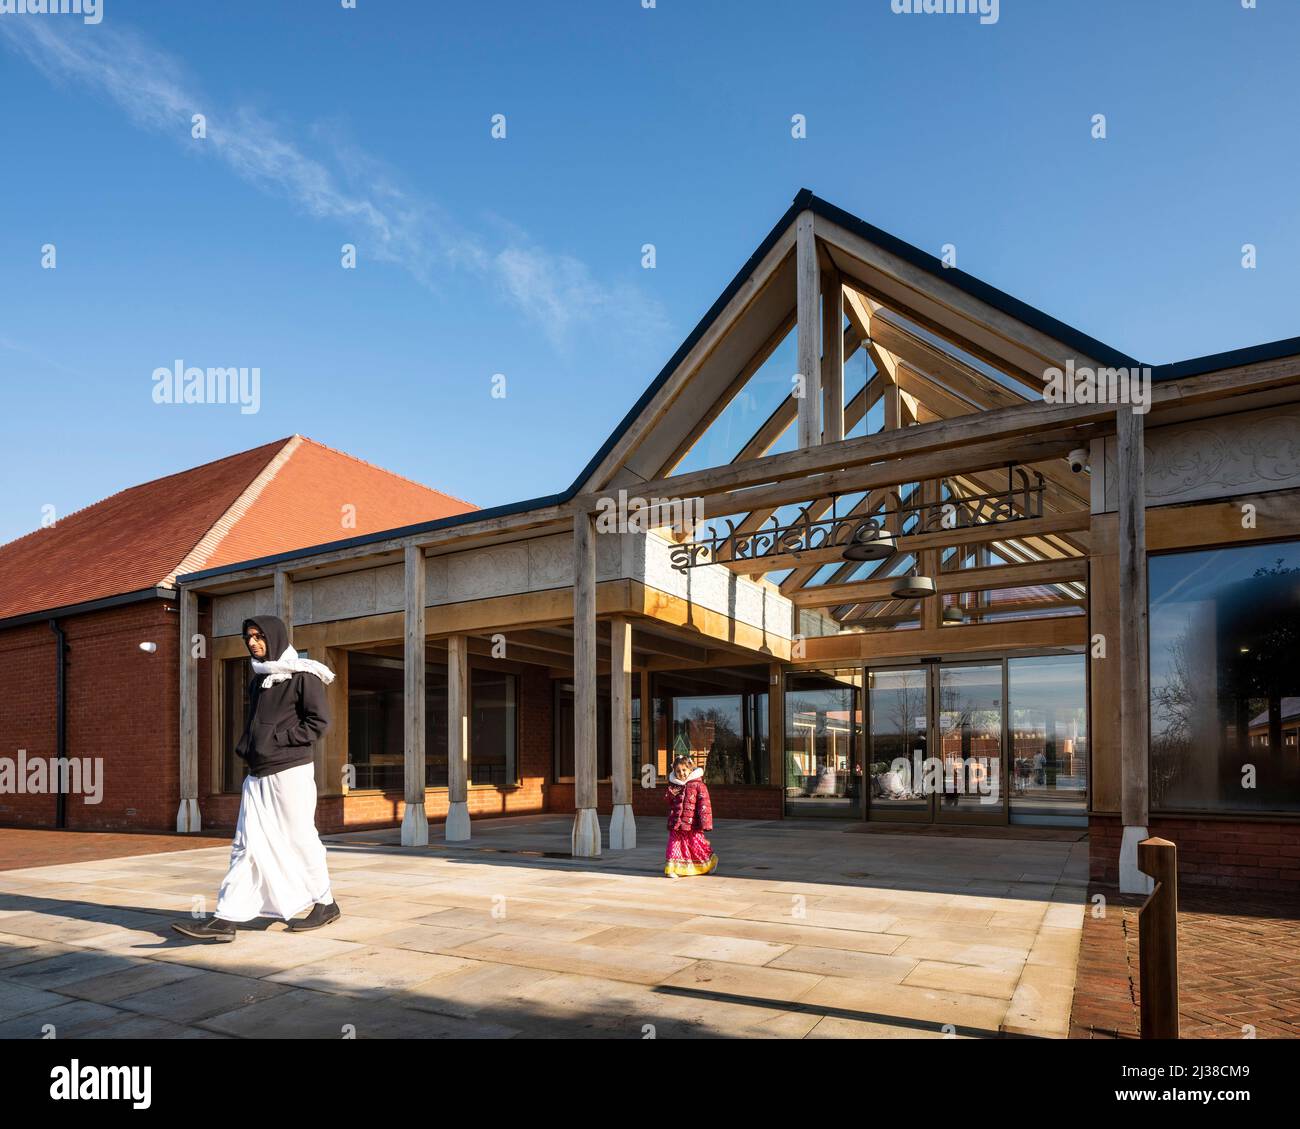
[1225, 679]
[1049, 737]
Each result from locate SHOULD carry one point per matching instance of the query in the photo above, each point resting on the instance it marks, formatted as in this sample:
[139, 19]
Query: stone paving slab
[806, 931]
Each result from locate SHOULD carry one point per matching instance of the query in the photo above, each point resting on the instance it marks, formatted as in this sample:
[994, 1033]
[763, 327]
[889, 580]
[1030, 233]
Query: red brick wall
[1243, 855]
[27, 674]
[122, 707]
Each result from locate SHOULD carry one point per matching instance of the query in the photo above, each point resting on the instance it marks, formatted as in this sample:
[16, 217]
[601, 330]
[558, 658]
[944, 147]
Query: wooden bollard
[1158, 940]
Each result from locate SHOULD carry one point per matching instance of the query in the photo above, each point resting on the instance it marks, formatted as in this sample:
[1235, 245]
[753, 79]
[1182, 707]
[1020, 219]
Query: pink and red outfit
[690, 814]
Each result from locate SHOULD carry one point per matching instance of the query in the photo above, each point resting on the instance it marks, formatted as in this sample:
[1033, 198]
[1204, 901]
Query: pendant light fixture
[913, 587]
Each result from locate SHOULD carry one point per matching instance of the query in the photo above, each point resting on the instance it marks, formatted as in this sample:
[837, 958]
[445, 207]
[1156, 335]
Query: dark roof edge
[448, 522]
[1233, 358]
[156, 593]
[990, 295]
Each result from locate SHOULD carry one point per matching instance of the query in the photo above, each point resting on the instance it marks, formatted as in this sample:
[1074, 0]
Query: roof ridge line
[128, 490]
[203, 549]
[385, 470]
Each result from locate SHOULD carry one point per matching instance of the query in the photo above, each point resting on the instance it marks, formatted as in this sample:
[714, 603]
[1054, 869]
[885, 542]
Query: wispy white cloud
[555, 291]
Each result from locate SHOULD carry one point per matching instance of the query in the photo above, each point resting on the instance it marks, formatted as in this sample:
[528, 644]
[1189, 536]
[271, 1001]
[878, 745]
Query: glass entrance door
[898, 709]
[968, 718]
[936, 743]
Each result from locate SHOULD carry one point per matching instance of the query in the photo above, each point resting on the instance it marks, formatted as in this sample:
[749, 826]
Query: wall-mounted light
[149, 648]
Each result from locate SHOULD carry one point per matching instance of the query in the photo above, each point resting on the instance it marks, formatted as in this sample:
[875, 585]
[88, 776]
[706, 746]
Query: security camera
[150, 648]
[1079, 460]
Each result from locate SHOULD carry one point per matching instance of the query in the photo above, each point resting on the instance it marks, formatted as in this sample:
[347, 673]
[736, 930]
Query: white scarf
[289, 664]
[695, 774]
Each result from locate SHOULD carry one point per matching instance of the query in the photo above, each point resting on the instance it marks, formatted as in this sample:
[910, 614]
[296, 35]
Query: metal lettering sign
[1021, 499]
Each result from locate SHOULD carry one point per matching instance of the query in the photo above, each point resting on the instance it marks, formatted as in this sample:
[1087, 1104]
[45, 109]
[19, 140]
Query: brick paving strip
[23, 847]
[1238, 965]
[805, 932]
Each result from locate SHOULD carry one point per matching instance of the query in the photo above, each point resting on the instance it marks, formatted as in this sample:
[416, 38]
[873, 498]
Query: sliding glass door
[989, 741]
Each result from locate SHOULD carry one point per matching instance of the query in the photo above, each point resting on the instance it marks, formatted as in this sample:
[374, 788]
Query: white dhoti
[277, 861]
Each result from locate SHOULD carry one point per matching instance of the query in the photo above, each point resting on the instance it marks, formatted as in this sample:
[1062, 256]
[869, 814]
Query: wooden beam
[415, 822]
[457, 828]
[717, 501]
[284, 602]
[962, 580]
[808, 348]
[188, 818]
[622, 828]
[849, 646]
[585, 839]
[832, 358]
[1134, 703]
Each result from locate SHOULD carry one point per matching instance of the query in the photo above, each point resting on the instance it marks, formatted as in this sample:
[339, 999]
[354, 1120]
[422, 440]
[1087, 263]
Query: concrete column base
[456, 829]
[1131, 879]
[622, 828]
[187, 817]
[585, 843]
[415, 826]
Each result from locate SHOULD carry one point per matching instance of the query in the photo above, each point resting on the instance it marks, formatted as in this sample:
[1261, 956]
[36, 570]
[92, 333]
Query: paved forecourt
[806, 930]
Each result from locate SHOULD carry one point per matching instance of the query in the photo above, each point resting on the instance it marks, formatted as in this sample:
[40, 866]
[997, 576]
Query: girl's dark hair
[681, 758]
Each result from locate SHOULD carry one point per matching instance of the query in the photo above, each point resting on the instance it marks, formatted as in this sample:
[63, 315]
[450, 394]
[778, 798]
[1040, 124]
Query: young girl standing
[690, 814]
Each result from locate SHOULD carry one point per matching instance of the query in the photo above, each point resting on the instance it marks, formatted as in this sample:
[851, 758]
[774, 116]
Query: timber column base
[415, 826]
[187, 816]
[585, 842]
[1131, 878]
[622, 828]
[456, 829]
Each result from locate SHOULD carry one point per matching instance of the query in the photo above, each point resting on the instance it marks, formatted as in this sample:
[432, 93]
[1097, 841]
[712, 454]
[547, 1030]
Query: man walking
[277, 861]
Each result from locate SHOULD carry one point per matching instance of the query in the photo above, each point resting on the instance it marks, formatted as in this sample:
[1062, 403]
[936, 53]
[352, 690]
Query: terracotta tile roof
[280, 496]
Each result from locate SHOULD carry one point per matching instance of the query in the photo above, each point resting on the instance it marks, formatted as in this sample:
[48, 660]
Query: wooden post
[457, 827]
[585, 841]
[649, 738]
[415, 821]
[807, 350]
[1158, 940]
[927, 564]
[622, 826]
[832, 357]
[776, 727]
[1134, 698]
[187, 815]
[284, 602]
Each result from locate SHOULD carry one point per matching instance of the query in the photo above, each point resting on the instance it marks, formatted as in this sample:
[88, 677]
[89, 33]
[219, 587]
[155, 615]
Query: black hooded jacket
[283, 720]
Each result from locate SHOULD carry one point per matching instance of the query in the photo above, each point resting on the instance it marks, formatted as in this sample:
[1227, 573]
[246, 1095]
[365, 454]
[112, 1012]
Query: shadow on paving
[83, 978]
[90, 993]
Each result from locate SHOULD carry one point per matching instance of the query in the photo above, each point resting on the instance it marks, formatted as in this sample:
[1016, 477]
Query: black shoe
[206, 929]
[320, 915]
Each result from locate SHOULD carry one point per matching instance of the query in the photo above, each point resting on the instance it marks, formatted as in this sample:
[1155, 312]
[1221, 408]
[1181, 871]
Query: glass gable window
[1225, 679]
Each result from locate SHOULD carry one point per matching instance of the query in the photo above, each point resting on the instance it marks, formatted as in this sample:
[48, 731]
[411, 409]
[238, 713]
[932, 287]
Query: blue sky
[522, 256]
